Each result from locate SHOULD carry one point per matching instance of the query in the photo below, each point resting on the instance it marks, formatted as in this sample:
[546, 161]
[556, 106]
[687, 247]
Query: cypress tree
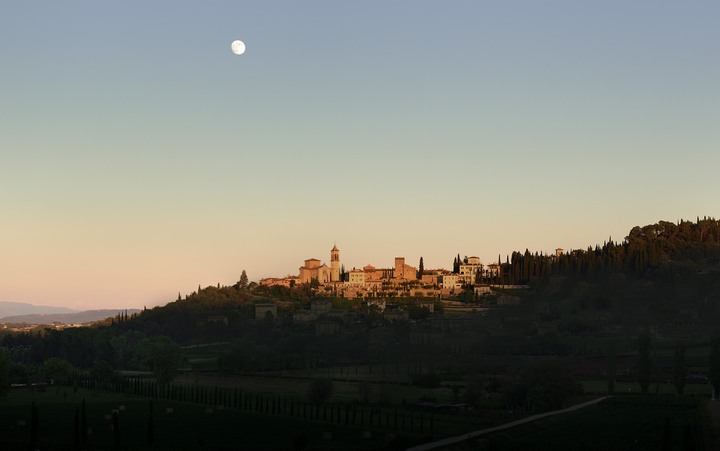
[76, 429]
[34, 426]
[83, 423]
[243, 284]
[610, 367]
[644, 363]
[714, 364]
[116, 429]
[680, 368]
[688, 442]
[667, 436]
[150, 426]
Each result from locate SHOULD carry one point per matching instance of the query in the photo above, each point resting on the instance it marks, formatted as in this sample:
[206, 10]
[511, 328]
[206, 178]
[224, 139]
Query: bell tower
[334, 264]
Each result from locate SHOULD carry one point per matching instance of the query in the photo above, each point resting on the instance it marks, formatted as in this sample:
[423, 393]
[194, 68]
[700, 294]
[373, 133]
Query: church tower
[334, 264]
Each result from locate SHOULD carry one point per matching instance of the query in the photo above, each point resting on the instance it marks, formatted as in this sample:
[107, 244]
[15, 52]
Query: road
[460, 438]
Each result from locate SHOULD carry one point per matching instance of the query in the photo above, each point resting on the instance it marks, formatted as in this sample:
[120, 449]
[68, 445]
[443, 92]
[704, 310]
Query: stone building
[470, 269]
[315, 269]
[403, 271]
[261, 310]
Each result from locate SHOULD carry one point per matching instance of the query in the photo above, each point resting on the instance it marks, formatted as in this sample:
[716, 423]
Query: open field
[177, 426]
[343, 391]
[623, 422]
[600, 387]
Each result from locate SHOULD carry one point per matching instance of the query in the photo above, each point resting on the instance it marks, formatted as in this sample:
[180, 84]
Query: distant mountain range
[19, 312]
[21, 308]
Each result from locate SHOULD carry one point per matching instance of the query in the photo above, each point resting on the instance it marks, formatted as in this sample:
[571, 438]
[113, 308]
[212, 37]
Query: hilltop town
[402, 278]
[430, 290]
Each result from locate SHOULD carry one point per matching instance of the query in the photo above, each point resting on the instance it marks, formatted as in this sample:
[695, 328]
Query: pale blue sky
[140, 157]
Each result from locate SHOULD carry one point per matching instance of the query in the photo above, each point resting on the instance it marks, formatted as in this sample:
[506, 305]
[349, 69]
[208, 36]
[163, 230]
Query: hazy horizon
[142, 158]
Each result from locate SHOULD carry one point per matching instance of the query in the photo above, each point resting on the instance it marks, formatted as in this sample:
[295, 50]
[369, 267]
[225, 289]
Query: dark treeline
[644, 250]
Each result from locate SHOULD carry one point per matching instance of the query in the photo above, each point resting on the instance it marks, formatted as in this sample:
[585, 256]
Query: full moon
[238, 47]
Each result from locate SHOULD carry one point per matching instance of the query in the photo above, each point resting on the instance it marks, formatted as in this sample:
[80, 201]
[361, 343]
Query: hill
[8, 308]
[84, 317]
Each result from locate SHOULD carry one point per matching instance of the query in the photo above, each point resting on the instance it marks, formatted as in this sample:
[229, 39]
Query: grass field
[618, 423]
[343, 391]
[177, 426]
[600, 387]
[622, 422]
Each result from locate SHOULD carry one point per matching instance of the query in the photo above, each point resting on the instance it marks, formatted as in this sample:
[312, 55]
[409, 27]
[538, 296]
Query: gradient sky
[141, 158]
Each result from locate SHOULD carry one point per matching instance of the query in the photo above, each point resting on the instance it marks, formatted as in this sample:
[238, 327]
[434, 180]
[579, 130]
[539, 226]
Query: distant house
[469, 270]
[357, 277]
[287, 281]
[326, 327]
[320, 307]
[339, 315]
[380, 303]
[218, 319]
[509, 300]
[396, 315]
[451, 281]
[437, 406]
[430, 305]
[433, 278]
[212, 321]
[304, 317]
[261, 310]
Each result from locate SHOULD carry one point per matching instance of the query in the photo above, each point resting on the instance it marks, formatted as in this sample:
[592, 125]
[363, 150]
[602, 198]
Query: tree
[34, 427]
[243, 283]
[59, 370]
[715, 363]
[680, 368]
[475, 390]
[102, 371]
[364, 388]
[150, 426]
[320, 390]
[543, 385]
[116, 429]
[644, 363]
[160, 355]
[300, 440]
[416, 312]
[688, 442]
[421, 269]
[83, 423]
[5, 365]
[76, 429]
[611, 367]
[667, 435]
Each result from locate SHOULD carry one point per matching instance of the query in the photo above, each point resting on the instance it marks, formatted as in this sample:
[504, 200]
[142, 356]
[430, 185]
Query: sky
[140, 158]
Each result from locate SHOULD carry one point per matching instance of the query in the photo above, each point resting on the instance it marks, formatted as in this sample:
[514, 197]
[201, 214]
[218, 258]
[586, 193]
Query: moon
[237, 47]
